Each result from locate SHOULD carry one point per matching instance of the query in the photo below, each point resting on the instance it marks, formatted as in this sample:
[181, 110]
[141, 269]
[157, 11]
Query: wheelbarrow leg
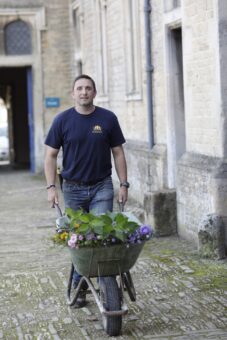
[75, 293]
[128, 283]
[70, 281]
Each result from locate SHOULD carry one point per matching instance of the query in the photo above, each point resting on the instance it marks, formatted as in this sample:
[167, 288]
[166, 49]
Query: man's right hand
[52, 196]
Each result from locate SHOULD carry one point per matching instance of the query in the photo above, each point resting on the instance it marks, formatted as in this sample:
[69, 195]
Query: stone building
[159, 65]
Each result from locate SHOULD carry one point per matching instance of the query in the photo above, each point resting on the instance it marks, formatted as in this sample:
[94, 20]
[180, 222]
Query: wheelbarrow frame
[124, 277]
[109, 267]
[105, 263]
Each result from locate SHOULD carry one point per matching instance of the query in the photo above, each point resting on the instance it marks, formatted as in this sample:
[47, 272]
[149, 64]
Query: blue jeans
[97, 198]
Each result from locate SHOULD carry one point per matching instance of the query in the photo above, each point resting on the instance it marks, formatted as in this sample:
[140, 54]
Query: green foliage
[105, 226]
[83, 229]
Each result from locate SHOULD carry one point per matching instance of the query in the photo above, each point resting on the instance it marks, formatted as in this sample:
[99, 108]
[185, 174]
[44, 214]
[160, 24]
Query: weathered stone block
[160, 211]
[211, 237]
[201, 190]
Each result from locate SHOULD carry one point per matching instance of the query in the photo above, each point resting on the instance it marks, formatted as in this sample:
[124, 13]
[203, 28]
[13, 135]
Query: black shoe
[81, 300]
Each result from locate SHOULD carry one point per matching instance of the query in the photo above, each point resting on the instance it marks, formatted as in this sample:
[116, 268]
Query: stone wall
[56, 58]
[222, 10]
[200, 181]
[201, 190]
[147, 169]
[201, 77]
[131, 111]
[194, 192]
[201, 178]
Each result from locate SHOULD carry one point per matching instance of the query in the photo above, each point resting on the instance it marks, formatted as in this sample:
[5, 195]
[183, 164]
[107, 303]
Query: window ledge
[133, 97]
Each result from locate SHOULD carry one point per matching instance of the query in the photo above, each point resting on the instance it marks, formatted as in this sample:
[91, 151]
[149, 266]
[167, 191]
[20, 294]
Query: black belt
[83, 183]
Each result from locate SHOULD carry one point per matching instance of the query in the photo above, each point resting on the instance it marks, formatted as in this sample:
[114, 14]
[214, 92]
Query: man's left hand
[123, 195]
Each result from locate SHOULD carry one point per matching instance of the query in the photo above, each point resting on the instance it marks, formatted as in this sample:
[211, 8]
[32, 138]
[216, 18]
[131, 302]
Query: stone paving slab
[179, 295]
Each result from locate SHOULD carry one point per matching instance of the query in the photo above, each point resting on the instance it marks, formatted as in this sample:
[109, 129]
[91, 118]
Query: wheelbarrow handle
[121, 206]
[58, 210]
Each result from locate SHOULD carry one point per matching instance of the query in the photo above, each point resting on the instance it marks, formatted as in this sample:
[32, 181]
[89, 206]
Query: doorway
[16, 91]
[175, 101]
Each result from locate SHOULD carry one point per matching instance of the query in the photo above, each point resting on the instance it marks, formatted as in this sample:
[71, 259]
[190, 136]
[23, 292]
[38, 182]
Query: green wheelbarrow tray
[106, 260]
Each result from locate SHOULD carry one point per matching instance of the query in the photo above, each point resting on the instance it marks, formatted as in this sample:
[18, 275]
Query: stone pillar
[211, 237]
[160, 211]
[201, 191]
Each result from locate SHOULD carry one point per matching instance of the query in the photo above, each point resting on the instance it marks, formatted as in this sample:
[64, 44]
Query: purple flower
[71, 244]
[132, 239]
[72, 241]
[80, 237]
[73, 238]
[145, 230]
[90, 236]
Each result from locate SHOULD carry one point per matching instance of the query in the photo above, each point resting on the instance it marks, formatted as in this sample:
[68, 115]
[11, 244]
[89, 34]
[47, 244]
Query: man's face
[84, 92]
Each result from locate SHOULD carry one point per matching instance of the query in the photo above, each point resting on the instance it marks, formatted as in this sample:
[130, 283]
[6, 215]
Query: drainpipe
[149, 70]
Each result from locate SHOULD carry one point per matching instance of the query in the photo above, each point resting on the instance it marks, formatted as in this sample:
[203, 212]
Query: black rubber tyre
[110, 295]
[128, 283]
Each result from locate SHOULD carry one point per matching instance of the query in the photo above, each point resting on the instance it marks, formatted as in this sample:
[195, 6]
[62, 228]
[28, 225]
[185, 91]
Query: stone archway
[31, 21]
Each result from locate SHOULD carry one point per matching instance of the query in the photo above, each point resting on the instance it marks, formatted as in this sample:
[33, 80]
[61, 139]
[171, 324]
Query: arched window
[133, 50]
[17, 36]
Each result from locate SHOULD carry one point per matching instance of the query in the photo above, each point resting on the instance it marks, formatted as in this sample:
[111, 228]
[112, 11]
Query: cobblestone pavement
[179, 296]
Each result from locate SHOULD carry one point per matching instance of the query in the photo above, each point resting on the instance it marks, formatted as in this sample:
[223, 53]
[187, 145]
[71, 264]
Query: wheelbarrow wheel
[110, 296]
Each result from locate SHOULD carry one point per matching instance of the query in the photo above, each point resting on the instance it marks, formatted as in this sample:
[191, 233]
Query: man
[87, 135]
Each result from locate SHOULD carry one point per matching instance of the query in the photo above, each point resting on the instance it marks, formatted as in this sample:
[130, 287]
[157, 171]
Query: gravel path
[179, 296]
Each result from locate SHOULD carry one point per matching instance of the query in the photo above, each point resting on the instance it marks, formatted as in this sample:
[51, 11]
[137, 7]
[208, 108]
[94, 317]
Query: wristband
[125, 184]
[51, 186]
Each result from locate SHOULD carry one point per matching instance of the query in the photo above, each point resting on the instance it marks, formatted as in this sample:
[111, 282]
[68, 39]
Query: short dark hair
[84, 76]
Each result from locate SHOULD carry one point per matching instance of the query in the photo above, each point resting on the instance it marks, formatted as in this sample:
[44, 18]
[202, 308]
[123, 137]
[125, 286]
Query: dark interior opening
[13, 89]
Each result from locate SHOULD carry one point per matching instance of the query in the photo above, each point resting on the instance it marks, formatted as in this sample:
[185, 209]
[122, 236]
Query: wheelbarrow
[111, 266]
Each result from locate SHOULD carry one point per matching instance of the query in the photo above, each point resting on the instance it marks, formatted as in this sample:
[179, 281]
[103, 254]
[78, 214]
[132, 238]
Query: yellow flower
[63, 236]
[76, 225]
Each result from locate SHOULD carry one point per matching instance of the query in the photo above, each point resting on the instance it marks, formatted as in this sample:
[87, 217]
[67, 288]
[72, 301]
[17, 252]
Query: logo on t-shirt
[97, 129]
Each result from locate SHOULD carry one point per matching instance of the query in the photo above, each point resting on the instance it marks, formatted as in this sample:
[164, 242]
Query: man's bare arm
[121, 169]
[50, 168]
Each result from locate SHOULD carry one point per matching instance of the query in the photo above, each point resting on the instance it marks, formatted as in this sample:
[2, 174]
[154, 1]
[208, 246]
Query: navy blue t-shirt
[86, 141]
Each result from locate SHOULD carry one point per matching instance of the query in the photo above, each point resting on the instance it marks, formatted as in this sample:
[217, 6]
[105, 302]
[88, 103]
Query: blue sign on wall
[52, 102]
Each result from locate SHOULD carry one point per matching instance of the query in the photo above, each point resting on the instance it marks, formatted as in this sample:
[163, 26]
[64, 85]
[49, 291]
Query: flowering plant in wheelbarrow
[106, 244]
[83, 229]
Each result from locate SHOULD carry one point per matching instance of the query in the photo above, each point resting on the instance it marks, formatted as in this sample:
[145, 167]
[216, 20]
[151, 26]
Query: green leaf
[120, 235]
[119, 227]
[84, 218]
[108, 228]
[119, 218]
[111, 215]
[132, 226]
[73, 213]
[72, 223]
[106, 219]
[83, 229]
[97, 223]
[98, 229]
